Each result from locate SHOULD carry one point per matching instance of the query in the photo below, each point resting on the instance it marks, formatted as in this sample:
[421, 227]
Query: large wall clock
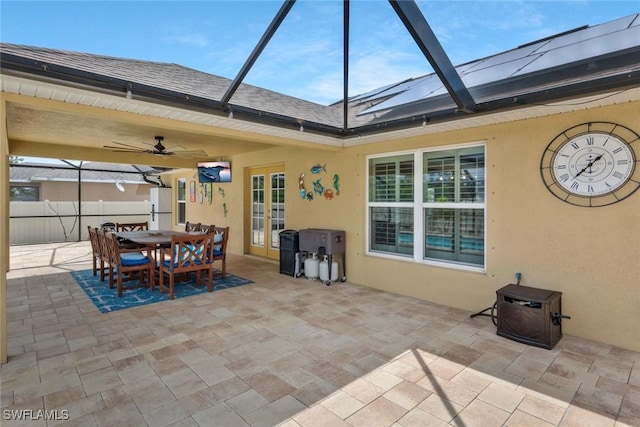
[592, 164]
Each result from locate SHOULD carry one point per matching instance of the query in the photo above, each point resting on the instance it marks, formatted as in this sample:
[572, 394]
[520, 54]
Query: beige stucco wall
[590, 254]
[212, 213]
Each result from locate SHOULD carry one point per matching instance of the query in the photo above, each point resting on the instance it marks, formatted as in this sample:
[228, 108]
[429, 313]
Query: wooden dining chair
[98, 260]
[220, 239]
[192, 226]
[187, 253]
[128, 266]
[206, 229]
[132, 226]
[105, 265]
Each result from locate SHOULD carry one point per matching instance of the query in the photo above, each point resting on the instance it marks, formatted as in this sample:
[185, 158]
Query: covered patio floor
[287, 351]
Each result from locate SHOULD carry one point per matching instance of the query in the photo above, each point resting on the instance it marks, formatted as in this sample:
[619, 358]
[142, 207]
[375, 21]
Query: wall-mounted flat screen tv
[214, 172]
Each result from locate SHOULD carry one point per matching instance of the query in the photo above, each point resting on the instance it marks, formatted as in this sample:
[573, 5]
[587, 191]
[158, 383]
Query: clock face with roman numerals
[592, 164]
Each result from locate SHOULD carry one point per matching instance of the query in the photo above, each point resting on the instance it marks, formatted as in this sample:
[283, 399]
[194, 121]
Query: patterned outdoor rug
[107, 299]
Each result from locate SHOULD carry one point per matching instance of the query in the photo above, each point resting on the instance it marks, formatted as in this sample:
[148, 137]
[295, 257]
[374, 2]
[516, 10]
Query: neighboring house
[33, 181]
[444, 193]
[44, 198]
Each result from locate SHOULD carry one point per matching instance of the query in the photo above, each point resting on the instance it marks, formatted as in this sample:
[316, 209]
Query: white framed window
[24, 193]
[444, 205]
[181, 201]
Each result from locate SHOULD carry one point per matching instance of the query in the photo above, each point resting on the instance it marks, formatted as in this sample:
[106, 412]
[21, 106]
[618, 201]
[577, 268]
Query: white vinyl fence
[51, 221]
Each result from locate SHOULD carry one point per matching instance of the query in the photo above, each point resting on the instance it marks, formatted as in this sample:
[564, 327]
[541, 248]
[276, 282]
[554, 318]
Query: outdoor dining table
[151, 239]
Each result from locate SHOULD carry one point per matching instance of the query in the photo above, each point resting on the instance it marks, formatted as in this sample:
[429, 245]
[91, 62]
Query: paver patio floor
[287, 351]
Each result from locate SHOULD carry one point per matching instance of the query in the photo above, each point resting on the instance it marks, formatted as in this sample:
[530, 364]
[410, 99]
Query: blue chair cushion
[185, 263]
[133, 258]
[217, 238]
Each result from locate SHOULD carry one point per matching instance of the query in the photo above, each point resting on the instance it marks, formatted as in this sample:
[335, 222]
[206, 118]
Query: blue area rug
[107, 299]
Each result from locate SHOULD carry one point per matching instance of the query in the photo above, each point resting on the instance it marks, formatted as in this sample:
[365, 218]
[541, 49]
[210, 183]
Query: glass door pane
[267, 188]
[257, 210]
[277, 208]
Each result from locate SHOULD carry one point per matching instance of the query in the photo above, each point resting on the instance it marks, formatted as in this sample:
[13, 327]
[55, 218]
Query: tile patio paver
[290, 352]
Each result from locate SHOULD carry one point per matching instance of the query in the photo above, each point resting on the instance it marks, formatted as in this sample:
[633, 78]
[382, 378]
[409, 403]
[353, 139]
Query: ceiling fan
[158, 149]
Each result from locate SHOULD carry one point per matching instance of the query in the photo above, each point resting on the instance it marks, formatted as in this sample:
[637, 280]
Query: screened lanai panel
[490, 77]
[381, 91]
[585, 50]
[398, 89]
[613, 27]
[492, 69]
[421, 87]
[511, 56]
[497, 72]
[426, 87]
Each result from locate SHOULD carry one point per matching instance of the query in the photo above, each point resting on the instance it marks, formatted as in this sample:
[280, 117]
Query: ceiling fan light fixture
[119, 184]
[159, 147]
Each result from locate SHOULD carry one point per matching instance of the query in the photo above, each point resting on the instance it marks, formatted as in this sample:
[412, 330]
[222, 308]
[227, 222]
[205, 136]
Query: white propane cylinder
[311, 267]
[324, 270]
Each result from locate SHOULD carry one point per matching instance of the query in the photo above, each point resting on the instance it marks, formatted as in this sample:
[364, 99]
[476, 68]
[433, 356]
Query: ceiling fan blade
[123, 148]
[190, 152]
[172, 148]
[126, 145]
[127, 151]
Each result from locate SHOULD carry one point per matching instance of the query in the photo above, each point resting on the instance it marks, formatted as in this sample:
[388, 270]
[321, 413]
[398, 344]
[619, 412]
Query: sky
[304, 57]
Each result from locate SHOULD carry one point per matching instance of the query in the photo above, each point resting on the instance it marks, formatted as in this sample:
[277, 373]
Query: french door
[267, 210]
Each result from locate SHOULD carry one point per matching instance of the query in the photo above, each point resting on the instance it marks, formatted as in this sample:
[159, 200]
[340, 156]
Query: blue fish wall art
[318, 168]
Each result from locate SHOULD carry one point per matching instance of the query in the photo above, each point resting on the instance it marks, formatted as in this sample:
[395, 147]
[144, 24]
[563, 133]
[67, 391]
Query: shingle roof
[173, 80]
[92, 171]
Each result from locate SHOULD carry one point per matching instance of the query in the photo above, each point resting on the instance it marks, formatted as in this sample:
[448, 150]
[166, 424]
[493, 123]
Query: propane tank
[324, 270]
[311, 266]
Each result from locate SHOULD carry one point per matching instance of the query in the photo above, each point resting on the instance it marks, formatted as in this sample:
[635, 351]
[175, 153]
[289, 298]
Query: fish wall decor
[318, 188]
[318, 168]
